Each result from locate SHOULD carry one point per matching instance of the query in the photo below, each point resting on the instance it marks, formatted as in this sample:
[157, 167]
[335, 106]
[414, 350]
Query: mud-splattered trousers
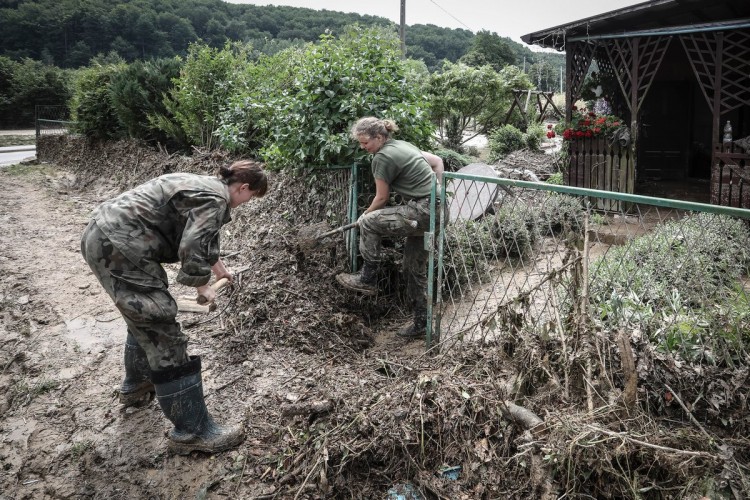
[145, 304]
[398, 221]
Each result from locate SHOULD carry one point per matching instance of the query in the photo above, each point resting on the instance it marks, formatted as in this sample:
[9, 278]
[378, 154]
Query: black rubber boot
[419, 327]
[136, 388]
[365, 281]
[180, 394]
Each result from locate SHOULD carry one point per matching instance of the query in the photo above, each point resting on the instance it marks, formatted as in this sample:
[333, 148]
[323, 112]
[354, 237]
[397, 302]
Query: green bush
[680, 282]
[26, 84]
[516, 229]
[337, 82]
[560, 213]
[473, 246]
[248, 117]
[533, 137]
[207, 81]
[556, 178]
[91, 107]
[467, 244]
[503, 141]
[137, 91]
[452, 160]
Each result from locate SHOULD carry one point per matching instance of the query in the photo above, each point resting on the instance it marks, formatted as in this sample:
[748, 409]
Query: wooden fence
[595, 163]
[730, 177]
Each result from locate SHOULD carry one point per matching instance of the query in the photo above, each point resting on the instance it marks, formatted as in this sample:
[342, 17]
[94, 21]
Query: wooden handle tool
[199, 304]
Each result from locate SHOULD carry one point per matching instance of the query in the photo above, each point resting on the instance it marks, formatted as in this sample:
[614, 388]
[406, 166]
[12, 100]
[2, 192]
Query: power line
[454, 17]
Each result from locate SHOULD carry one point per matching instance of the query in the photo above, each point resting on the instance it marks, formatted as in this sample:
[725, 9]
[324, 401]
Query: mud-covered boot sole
[353, 283]
[220, 443]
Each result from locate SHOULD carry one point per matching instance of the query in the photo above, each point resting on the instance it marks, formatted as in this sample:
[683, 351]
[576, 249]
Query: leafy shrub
[503, 141]
[472, 246]
[91, 107]
[556, 178]
[680, 281]
[560, 213]
[25, 84]
[516, 229]
[137, 91]
[207, 80]
[337, 82]
[248, 117]
[533, 137]
[452, 160]
[467, 244]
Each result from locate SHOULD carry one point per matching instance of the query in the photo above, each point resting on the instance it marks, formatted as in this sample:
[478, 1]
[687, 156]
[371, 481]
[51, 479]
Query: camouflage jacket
[175, 217]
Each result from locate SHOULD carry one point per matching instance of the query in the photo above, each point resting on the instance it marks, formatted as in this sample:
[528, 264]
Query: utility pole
[402, 30]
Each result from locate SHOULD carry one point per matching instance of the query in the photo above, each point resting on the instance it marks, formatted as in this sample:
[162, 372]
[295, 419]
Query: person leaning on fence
[401, 166]
[172, 218]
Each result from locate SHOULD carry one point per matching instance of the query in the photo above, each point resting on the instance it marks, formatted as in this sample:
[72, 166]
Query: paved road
[13, 154]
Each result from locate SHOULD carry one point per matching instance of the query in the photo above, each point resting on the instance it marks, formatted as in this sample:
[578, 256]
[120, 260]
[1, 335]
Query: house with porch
[676, 72]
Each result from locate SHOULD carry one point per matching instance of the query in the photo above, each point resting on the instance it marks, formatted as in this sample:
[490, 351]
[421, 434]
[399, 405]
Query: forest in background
[131, 69]
[68, 33]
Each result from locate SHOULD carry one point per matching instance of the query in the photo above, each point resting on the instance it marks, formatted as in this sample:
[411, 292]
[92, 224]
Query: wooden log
[187, 305]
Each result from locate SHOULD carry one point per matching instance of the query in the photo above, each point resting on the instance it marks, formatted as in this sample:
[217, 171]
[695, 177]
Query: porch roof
[655, 17]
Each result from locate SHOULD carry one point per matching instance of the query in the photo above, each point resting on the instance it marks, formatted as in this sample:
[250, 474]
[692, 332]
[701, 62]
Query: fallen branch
[306, 408]
[668, 449]
[689, 413]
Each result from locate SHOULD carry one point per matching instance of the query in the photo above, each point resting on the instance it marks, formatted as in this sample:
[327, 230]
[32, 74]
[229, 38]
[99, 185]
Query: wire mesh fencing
[52, 120]
[541, 260]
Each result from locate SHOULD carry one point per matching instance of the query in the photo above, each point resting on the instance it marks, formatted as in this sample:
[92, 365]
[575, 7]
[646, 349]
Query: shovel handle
[216, 287]
[337, 230]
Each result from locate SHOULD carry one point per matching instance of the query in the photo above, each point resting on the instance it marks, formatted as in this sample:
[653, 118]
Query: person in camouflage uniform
[172, 218]
[409, 171]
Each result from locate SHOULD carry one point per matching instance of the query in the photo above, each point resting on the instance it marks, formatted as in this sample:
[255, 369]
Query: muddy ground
[64, 434]
[333, 403]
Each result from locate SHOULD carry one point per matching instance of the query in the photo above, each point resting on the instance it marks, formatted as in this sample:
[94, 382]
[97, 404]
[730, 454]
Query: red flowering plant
[586, 123]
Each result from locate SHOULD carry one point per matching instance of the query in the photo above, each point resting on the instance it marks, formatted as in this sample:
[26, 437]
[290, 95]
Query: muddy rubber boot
[419, 327]
[180, 394]
[364, 282]
[136, 388]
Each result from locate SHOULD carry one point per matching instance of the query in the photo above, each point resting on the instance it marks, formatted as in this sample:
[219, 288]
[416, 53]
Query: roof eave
[555, 37]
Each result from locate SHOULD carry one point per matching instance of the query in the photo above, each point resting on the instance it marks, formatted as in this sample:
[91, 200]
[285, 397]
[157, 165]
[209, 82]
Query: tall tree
[489, 49]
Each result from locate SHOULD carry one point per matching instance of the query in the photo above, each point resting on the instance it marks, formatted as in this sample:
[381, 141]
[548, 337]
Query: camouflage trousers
[411, 221]
[143, 301]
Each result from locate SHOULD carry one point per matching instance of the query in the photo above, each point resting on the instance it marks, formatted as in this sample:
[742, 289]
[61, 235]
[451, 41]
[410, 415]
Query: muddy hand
[207, 294]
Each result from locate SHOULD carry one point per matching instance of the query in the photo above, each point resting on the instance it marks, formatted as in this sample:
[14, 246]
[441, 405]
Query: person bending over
[172, 218]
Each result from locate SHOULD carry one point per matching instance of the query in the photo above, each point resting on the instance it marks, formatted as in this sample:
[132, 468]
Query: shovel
[310, 237]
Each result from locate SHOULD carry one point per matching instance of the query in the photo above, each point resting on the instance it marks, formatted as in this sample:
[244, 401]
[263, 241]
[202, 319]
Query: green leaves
[91, 106]
[335, 82]
[206, 83]
[461, 95]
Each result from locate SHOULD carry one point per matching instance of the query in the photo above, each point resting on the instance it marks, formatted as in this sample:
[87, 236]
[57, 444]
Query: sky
[507, 18]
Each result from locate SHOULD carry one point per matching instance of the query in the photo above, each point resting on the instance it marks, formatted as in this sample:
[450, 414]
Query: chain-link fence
[52, 120]
[540, 260]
